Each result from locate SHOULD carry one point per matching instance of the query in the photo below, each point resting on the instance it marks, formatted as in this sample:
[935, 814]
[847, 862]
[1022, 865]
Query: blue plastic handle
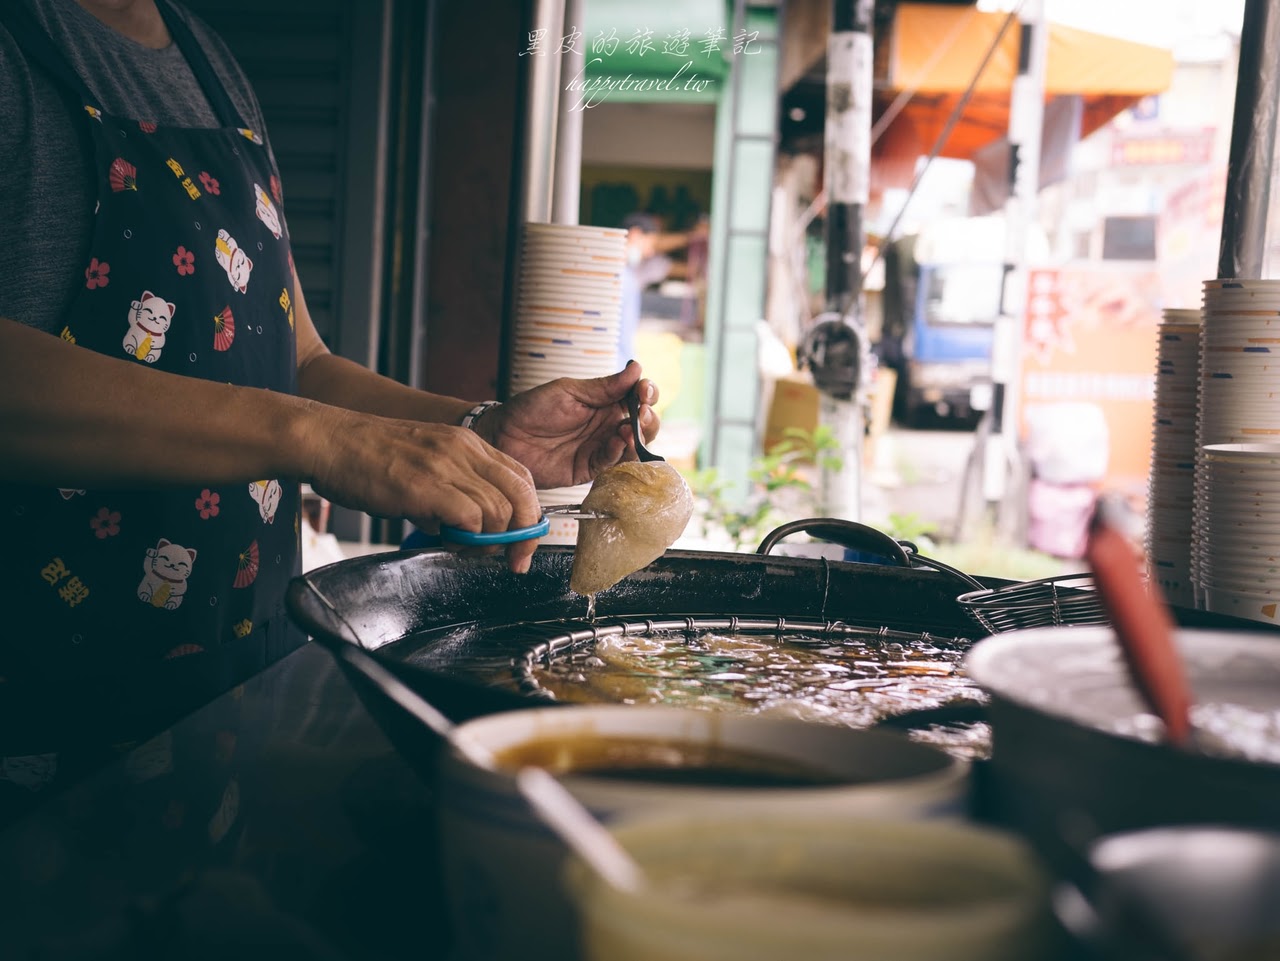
[458, 536]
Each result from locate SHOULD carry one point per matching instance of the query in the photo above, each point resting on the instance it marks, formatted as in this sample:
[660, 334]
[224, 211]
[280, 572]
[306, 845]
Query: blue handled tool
[455, 535]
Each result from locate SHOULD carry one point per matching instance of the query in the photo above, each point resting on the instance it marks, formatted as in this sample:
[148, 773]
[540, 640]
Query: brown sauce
[664, 762]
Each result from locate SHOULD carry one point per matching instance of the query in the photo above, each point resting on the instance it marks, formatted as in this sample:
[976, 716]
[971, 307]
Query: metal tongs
[456, 535]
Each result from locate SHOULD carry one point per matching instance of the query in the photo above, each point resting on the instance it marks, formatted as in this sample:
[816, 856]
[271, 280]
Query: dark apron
[127, 609]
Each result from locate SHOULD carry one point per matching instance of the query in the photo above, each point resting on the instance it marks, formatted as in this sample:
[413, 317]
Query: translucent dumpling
[648, 504]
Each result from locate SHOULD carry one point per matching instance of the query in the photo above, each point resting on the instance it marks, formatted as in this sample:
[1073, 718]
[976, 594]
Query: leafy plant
[910, 527]
[780, 485]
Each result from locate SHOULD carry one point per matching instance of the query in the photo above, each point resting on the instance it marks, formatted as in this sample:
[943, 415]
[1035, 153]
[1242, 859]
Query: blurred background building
[400, 126]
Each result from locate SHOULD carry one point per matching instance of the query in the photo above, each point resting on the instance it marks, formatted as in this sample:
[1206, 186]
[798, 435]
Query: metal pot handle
[850, 534]
[916, 559]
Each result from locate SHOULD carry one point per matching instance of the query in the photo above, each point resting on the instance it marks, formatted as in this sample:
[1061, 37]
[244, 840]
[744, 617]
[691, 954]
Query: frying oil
[856, 681]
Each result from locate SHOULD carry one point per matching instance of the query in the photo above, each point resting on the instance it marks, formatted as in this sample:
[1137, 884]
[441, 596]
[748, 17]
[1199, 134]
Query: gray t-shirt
[46, 196]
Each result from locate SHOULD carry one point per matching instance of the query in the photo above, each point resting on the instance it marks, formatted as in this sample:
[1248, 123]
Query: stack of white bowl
[567, 322]
[1239, 406]
[1171, 486]
[1240, 535]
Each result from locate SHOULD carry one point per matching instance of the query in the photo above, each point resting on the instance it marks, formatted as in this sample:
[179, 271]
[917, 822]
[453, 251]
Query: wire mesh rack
[1067, 599]
[582, 635]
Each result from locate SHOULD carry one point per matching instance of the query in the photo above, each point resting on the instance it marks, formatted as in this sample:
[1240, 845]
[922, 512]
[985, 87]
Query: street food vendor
[164, 392]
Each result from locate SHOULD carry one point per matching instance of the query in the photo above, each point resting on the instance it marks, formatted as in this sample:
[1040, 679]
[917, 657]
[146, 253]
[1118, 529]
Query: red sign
[1090, 337]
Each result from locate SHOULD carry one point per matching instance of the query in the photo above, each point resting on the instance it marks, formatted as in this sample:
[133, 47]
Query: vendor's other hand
[430, 474]
[568, 431]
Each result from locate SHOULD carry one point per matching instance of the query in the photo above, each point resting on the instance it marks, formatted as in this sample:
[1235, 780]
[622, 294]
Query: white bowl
[560, 297]
[1246, 453]
[615, 254]
[1253, 607]
[537, 226]
[600, 261]
[491, 842]
[1241, 550]
[737, 888]
[1243, 283]
[1238, 527]
[1221, 569]
[558, 278]
[543, 322]
[563, 366]
[1225, 500]
[581, 308]
[1217, 478]
[587, 366]
[574, 261]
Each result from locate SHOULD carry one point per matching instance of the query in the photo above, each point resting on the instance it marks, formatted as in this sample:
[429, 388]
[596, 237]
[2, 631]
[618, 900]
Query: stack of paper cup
[1239, 565]
[1239, 399]
[567, 323]
[1171, 486]
[569, 306]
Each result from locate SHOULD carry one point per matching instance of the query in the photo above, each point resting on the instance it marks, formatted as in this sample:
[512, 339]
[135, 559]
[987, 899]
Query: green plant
[779, 486]
[910, 527]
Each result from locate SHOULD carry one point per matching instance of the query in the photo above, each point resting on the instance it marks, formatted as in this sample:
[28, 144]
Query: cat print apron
[125, 610]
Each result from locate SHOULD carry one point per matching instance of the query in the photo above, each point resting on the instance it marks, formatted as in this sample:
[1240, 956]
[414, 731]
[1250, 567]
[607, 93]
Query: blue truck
[942, 290]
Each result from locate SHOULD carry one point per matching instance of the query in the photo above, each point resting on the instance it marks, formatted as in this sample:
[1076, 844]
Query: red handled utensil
[1142, 622]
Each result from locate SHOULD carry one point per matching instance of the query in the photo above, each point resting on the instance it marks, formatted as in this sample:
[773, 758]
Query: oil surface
[852, 681]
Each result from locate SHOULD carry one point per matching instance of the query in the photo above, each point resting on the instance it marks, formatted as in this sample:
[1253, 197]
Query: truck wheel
[914, 410]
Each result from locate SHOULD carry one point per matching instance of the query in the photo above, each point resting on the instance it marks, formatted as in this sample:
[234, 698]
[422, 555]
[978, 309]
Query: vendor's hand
[568, 431]
[430, 474]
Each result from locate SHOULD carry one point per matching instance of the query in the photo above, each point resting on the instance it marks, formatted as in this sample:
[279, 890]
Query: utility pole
[1253, 135]
[836, 345]
[567, 176]
[1026, 120]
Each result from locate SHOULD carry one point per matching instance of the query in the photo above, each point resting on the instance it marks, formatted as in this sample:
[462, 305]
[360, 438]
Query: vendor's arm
[70, 417]
[564, 432]
[667, 243]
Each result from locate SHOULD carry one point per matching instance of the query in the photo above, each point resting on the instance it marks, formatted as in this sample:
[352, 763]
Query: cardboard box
[795, 403]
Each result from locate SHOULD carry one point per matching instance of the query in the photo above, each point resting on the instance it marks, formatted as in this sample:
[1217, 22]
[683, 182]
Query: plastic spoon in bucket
[571, 821]
[1141, 621]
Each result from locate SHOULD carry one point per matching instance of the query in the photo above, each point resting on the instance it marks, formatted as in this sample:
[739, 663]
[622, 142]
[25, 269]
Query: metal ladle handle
[633, 405]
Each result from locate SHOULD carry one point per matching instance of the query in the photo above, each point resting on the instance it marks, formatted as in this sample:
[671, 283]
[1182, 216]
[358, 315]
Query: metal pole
[1026, 120]
[1253, 135]
[847, 182]
[848, 148]
[422, 211]
[567, 188]
[541, 110]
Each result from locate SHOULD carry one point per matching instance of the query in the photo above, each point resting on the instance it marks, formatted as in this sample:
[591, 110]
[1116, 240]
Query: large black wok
[445, 624]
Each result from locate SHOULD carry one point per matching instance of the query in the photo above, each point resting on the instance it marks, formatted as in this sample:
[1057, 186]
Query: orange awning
[935, 50]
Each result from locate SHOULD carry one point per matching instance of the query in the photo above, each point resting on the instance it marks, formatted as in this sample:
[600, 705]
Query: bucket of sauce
[503, 868]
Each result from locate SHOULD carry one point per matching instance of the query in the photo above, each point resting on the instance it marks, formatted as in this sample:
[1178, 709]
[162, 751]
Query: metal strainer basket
[1068, 599]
